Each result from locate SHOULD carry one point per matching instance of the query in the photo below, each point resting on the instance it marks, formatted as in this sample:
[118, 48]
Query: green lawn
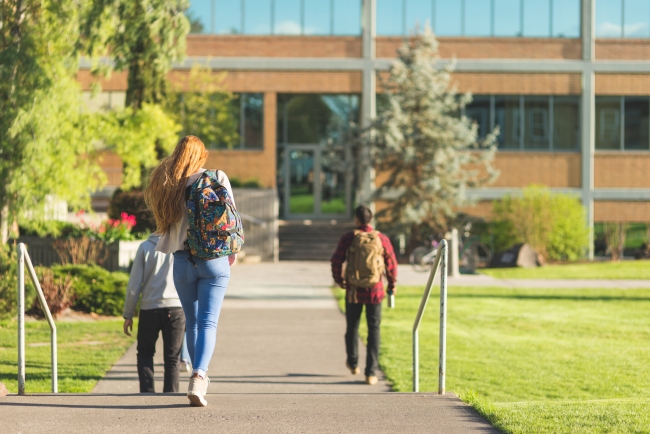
[547, 361]
[592, 270]
[87, 350]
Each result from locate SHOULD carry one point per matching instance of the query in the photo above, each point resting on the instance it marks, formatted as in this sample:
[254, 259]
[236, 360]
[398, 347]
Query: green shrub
[553, 224]
[96, 289]
[132, 203]
[46, 228]
[251, 183]
[9, 283]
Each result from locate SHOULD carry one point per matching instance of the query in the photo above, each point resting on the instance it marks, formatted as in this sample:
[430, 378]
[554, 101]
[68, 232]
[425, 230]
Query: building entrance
[315, 183]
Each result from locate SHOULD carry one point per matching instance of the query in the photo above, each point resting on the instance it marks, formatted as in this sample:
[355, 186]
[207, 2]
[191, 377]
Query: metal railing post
[24, 259]
[442, 362]
[442, 253]
[21, 320]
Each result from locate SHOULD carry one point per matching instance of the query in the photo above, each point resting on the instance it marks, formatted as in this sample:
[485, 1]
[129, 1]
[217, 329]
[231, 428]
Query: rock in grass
[3, 390]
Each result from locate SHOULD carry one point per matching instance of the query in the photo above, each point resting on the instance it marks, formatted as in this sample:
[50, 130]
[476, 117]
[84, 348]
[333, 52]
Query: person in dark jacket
[356, 298]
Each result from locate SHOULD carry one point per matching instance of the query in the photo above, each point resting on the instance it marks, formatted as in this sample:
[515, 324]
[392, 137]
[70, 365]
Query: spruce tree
[426, 152]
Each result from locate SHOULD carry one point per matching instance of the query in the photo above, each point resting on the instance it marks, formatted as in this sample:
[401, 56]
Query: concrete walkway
[279, 367]
[408, 276]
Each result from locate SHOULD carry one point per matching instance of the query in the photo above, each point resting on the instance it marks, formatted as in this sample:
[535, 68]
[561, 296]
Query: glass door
[317, 184]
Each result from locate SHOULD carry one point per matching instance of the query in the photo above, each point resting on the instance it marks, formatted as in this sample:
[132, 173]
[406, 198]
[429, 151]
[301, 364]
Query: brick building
[566, 80]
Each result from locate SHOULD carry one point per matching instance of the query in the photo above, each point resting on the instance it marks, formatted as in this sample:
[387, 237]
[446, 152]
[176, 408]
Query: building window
[622, 123]
[535, 123]
[251, 119]
[276, 17]
[103, 101]
[500, 18]
[622, 19]
[309, 119]
[239, 125]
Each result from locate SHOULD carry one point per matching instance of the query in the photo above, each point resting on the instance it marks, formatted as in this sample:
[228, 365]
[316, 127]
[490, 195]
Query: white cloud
[287, 28]
[611, 30]
[608, 29]
[636, 28]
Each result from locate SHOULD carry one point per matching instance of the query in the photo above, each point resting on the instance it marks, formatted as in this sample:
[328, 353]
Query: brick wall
[518, 84]
[623, 84]
[273, 46]
[519, 169]
[111, 163]
[622, 212]
[260, 164]
[624, 170]
[622, 49]
[117, 80]
[287, 81]
[493, 48]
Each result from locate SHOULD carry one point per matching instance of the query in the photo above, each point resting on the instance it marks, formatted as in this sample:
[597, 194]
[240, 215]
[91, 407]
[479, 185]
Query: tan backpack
[365, 260]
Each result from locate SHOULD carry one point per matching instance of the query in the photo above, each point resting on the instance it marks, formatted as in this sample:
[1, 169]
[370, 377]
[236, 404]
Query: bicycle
[423, 257]
[473, 253]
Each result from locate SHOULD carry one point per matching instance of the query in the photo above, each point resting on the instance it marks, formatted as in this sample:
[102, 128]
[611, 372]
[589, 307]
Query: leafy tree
[428, 154]
[47, 149]
[204, 108]
[141, 36]
[138, 137]
[553, 224]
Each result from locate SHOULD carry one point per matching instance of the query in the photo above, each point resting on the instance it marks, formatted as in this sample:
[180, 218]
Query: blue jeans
[201, 287]
[185, 355]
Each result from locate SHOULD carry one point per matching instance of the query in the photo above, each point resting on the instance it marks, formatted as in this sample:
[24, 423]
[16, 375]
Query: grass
[86, 351]
[547, 361]
[592, 270]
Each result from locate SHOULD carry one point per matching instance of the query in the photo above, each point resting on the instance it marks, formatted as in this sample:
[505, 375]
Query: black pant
[373, 318]
[171, 321]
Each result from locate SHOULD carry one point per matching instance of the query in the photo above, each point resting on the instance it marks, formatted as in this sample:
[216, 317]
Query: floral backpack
[215, 227]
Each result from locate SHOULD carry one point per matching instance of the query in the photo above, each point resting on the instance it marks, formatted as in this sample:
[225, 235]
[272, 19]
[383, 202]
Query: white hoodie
[152, 276]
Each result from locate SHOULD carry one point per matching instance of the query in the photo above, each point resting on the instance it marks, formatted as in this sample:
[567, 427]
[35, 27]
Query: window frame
[519, 124]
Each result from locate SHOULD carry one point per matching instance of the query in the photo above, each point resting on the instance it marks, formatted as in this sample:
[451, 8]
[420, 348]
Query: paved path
[278, 368]
[241, 413]
[408, 276]
[280, 331]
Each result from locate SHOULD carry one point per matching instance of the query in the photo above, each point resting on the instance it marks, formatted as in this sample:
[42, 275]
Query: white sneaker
[185, 366]
[196, 391]
[207, 384]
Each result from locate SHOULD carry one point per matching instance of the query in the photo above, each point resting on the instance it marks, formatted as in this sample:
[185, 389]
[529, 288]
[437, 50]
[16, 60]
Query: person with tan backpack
[369, 256]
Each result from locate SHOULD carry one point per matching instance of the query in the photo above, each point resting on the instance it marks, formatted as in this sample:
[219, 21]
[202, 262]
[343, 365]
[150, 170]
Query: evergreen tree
[428, 154]
[45, 146]
[141, 36]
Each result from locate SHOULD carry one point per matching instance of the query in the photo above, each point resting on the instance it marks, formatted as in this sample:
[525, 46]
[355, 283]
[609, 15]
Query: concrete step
[311, 240]
[241, 413]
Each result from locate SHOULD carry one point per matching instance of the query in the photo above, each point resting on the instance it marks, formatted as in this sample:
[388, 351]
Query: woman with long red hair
[200, 283]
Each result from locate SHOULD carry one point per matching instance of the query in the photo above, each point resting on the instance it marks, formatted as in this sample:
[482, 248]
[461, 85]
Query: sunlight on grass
[87, 350]
[532, 360]
[593, 270]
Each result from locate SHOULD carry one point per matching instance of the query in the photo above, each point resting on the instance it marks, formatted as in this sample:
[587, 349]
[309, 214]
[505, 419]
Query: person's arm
[134, 288]
[223, 179]
[390, 261]
[338, 258]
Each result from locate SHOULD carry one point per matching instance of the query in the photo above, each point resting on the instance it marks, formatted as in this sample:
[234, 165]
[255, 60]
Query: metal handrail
[441, 262]
[23, 257]
[253, 220]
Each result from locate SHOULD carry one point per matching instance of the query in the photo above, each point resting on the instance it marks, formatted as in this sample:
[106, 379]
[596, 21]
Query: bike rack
[23, 257]
[441, 262]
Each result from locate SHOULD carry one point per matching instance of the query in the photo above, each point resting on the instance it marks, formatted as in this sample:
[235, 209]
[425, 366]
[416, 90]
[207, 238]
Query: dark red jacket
[375, 294]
